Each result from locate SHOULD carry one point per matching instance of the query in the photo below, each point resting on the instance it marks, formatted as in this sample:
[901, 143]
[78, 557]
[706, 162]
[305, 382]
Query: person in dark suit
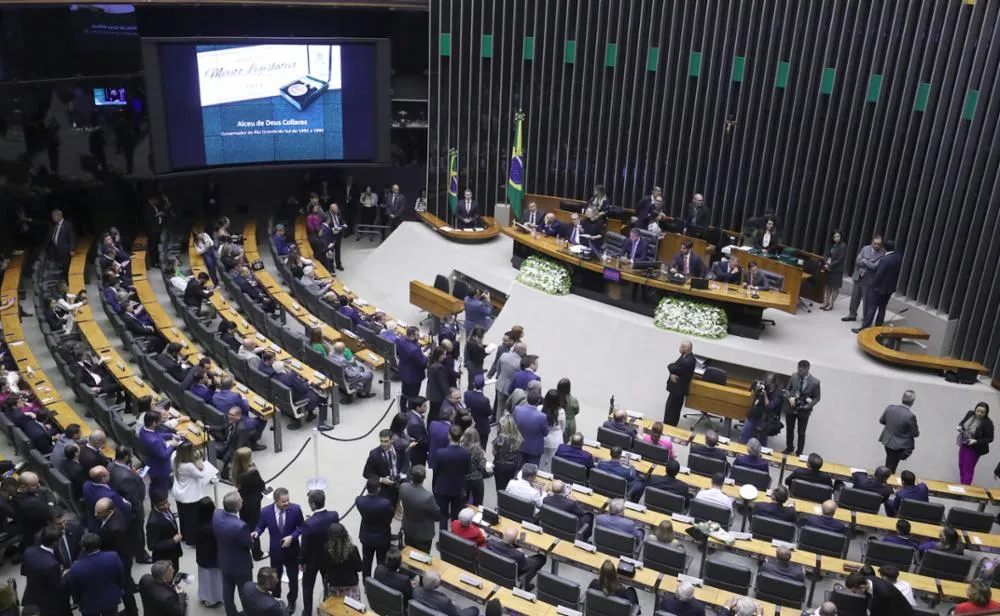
[68, 547]
[534, 428]
[96, 581]
[197, 292]
[38, 434]
[910, 490]
[375, 533]
[125, 481]
[883, 597]
[900, 430]
[528, 566]
[437, 434]
[162, 531]
[396, 207]
[412, 363]
[479, 406]
[634, 483]
[281, 519]
[802, 392]
[811, 473]
[697, 213]
[670, 482]
[902, 535]
[160, 597]
[619, 423]
[531, 217]
[389, 573]
[42, 571]
[646, 204]
[387, 465]
[876, 483]
[553, 227]
[237, 434]
[312, 553]
[751, 459]
[753, 278]
[453, 464]
[62, 239]
[113, 529]
[428, 594]
[234, 541]
[728, 271]
[636, 248]
[776, 508]
[681, 372]
[883, 285]
[574, 452]
[560, 499]
[170, 360]
[421, 512]
[467, 211]
[768, 239]
[72, 469]
[682, 602]
[782, 566]
[97, 488]
[687, 263]
[302, 393]
[826, 520]
[711, 447]
[158, 444]
[416, 430]
[261, 599]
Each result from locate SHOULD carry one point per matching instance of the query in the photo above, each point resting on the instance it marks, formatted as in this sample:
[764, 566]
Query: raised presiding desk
[489, 229]
[882, 342]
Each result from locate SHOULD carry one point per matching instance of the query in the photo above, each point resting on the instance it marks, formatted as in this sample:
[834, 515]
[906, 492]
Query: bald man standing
[113, 529]
[681, 372]
[395, 207]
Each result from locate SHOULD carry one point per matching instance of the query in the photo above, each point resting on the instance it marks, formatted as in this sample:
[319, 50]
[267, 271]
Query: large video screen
[218, 103]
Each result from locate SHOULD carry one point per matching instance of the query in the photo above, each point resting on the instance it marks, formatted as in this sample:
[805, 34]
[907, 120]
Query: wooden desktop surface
[489, 230]
[870, 340]
[434, 301]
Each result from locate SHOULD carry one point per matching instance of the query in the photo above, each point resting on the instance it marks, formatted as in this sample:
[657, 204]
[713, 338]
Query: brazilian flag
[515, 179]
[453, 181]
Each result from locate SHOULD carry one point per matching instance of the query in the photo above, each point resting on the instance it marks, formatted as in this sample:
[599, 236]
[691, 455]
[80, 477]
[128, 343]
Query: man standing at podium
[681, 373]
[468, 211]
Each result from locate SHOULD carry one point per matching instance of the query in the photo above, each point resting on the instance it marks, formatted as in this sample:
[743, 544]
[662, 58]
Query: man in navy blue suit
[670, 482]
[687, 263]
[911, 490]
[527, 374]
[480, 407]
[43, 576]
[776, 509]
[412, 363]
[453, 463]
[234, 542]
[388, 465]
[312, 553]
[883, 285]
[281, 519]
[615, 520]
[534, 428]
[225, 398]
[416, 429]
[877, 482]
[97, 488]
[260, 599]
[826, 521]
[437, 434]
[301, 391]
[711, 447]
[616, 467]
[376, 525]
[635, 248]
[96, 581]
[157, 448]
[574, 452]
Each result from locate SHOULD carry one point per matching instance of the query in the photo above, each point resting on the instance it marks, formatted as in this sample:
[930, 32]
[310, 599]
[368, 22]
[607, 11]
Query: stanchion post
[334, 406]
[386, 380]
[278, 442]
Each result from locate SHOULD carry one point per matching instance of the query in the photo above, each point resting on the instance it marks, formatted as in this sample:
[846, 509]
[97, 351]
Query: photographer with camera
[802, 393]
[762, 420]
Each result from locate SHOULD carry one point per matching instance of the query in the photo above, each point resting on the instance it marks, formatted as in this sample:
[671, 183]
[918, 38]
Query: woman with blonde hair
[507, 449]
[343, 564]
[248, 482]
[477, 468]
[191, 475]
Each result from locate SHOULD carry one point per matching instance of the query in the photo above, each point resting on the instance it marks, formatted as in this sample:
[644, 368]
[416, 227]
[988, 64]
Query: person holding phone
[162, 594]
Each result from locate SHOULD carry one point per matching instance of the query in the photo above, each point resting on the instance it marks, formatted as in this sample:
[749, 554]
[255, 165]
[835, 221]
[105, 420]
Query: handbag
[770, 426]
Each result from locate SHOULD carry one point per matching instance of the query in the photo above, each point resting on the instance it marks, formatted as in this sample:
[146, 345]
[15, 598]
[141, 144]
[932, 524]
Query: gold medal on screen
[305, 90]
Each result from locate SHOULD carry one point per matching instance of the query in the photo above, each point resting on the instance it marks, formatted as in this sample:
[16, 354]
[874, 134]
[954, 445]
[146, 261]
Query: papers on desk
[420, 557]
[975, 539]
[690, 579]
[17, 343]
[858, 470]
[783, 544]
[467, 230]
[565, 611]
[354, 604]
[956, 489]
[577, 249]
[445, 228]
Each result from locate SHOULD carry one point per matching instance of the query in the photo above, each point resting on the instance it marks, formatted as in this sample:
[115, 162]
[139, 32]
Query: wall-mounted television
[110, 97]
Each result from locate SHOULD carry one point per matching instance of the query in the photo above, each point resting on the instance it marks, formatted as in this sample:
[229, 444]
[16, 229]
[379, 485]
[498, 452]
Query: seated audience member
[389, 332]
[755, 279]
[178, 279]
[197, 292]
[948, 541]
[911, 490]
[826, 520]
[682, 602]
[811, 473]
[635, 486]
[610, 585]
[561, 498]
[776, 508]
[224, 399]
[711, 447]
[655, 436]
[782, 566]
[615, 519]
[303, 395]
[358, 375]
[90, 371]
[875, 483]
[574, 452]
[553, 227]
[635, 248]
[980, 600]
[202, 385]
[727, 271]
[236, 434]
[751, 459]
[890, 573]
[171, 362]
[714, 494]
[687, 263]
[619, 423]
[313, 284]
[280, 241]
[882, 595]
[249, 351]
[390, 574]
[464, 528]
[523, 486]
[902, 535]
[527, 565]
[349, 311]
[742, 606]
[531, 217]
[428, 594]
[227, 333]
[664, 535]
[670, 482]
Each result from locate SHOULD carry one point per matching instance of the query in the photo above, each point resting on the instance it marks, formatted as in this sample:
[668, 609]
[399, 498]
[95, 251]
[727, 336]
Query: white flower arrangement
[544, 275]
[691, 317]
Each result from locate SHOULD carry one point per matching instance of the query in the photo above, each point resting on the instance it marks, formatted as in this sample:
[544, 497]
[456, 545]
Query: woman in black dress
[834, 266]
[206, 555]
[343, 564]
[475, 353]
[607, 582]
[251, 488]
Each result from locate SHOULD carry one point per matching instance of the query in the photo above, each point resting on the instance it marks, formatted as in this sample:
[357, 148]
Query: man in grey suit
[615, 520]
[510, 362]
[899, 431]
[428, 594]
[865, 265]
[783, 567]
[420, 511]
[801, 395]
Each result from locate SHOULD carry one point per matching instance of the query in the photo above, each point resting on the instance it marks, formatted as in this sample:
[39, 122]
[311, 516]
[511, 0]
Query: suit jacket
[533, 426]
[887, 273]
[758, 279]
[452, 465]
[507, 364]
[93, 492]
[477, 312]
[900, 427]
[160, 531]
[621, 524]
[420, 512]
[378, 466]
[436, 600]
[627, 473]
[573, 454]
[438, 382]
[520, 379]
[527, 219]
[39, 436]
[564, 503]
[171, 365]
[376, 512]
[437, 439]
[233, 537]
[708, 452]
[696, 267]
[635, 251]
[720, 271]
[96, 582]
[269, 521]
[160, 599]
[697, 216]
[670, 484]
[71, 536]
[312, 533]
[624, 428]
[810, 389]
[396, 204]
[412, 363]
[756, 464]
[775, 511]
[823, 522]
[32, 512]
[805, 474]
[790, 571]
[225, 399]
[62, 238]
[885, 598]
[468, 209]
[259, 603]
[481, 408]
[156, 452]
[129, 484]
[918, 492]
[43, 582]
[195, 294]
[116, 536]
[397, 580]
[507, 550]
[862, 481]
[684, 369]
[673, 605]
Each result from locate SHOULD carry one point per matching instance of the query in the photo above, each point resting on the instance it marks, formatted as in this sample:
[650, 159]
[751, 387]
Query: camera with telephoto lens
[757, 387]
[236, 239]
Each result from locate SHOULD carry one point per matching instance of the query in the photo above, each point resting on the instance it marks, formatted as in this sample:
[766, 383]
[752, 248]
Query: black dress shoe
[258, 447]
[856, 330]
[144, 559]
[340, 267]
[787, 451]
[849, 318]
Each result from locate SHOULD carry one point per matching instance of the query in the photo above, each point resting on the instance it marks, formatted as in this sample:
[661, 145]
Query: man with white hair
[527, 565]
[682, 603]
[744, 606]
[464, 528]
[313, 285]
[249, 352]
[523, 486]
[900, 430]
[302, 393]
[389, 331]
[698, 214]
[615, 520]
[428, 594]
[357, 375]
[828, 608]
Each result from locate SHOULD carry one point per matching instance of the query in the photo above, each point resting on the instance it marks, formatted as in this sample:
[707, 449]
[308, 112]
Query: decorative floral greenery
[544, 275]
[691, 317]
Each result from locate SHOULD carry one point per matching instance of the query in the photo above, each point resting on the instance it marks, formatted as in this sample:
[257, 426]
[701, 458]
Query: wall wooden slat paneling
[823, 154]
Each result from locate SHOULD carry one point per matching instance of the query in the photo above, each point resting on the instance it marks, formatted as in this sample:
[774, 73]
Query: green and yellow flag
[515, 179]
[453, 180]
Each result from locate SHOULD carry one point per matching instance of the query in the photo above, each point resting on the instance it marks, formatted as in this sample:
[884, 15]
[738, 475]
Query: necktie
[64, 552]
[687, 263]
[576, 235]
[532, 219]
[55, 236]
[635, 245]
[281, 523]
[802, 385]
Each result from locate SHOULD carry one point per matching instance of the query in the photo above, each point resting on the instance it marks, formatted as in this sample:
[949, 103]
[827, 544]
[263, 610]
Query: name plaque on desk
[612, 275]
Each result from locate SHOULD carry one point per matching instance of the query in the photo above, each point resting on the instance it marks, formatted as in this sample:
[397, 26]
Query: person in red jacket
[464, 528]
